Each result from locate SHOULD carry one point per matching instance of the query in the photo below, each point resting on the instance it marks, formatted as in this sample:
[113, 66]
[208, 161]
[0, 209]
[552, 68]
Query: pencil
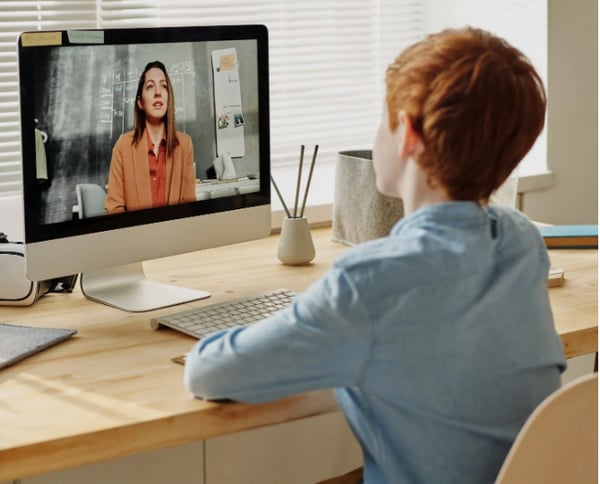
[280, 197]
[312, 166]
[299, 179]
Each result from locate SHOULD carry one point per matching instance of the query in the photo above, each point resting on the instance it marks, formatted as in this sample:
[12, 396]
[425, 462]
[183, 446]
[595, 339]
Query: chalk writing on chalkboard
[118, 96]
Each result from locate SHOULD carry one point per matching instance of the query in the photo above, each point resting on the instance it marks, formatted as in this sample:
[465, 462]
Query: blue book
[570, 236]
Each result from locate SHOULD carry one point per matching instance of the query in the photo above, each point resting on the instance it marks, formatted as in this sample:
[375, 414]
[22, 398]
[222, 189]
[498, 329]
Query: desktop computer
[81, 92]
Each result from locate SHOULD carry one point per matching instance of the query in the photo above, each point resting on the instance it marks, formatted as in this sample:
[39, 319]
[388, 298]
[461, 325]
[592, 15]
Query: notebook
[19, 342]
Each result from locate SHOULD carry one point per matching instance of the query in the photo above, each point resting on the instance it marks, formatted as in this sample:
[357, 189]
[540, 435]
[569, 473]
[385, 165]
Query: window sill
[535, 182]
[317, 216]
[322, 214]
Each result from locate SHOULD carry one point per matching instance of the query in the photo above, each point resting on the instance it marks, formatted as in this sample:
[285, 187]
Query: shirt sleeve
[321, 341]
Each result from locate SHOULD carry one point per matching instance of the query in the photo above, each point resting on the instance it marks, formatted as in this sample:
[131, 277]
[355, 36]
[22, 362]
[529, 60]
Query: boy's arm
[321, 341]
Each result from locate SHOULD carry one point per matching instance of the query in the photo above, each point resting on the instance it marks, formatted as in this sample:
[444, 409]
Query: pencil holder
[295, 242]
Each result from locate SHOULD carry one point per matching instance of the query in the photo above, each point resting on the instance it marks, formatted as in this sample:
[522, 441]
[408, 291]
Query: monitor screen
[138, 144]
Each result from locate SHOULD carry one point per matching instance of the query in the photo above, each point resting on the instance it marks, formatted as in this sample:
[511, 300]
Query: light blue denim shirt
[438, 340]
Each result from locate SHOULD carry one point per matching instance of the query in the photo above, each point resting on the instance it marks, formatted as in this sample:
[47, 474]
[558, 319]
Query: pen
[299, 179]
[310, 172]
[280, 197]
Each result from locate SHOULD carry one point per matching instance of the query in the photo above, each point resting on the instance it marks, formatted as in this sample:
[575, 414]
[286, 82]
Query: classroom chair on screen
[90, 199]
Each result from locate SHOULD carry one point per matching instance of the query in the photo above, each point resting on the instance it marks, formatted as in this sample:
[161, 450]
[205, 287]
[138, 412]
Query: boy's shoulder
[380, 251]
[425, 248]
[515, 224]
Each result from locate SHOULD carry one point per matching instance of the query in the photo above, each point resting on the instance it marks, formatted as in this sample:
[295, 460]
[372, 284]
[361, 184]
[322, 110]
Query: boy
[438, 339]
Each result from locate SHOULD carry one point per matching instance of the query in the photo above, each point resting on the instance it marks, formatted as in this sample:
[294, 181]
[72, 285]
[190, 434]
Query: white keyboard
[199, 322]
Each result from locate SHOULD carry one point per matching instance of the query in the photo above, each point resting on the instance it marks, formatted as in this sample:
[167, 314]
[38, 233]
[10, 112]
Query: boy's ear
[410, 143]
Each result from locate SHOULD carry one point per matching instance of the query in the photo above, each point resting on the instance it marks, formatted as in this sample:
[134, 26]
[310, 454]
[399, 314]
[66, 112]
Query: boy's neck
[416, 192]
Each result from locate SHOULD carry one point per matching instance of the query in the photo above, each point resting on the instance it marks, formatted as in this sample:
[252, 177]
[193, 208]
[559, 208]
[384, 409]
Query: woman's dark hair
[169, 119]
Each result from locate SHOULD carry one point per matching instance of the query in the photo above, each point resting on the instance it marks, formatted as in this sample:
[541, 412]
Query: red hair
[477, 104]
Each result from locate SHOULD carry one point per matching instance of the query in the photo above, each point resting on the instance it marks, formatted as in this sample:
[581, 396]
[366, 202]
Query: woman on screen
[153, 165]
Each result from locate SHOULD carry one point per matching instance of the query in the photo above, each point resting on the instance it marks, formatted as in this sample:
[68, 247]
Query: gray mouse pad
[18, 342]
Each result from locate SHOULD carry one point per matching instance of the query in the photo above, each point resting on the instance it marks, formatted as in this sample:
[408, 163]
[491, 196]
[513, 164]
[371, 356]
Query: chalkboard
[84, 100]
[117, 97]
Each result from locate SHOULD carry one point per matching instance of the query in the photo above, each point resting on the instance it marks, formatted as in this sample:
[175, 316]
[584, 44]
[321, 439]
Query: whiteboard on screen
[229, 117]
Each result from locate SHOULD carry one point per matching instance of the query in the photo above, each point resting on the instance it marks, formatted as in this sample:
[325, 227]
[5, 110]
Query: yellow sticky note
[227, 62]
[33, 39]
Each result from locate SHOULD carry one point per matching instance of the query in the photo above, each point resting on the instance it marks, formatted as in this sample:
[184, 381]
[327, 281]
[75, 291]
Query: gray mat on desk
[18, 342]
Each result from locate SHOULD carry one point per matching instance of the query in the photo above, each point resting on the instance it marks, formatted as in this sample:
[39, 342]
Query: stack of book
[570, 236]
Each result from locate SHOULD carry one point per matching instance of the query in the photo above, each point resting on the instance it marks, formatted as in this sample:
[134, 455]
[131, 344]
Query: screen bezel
[36, 231]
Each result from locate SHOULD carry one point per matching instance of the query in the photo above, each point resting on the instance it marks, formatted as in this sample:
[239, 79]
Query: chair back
[559, 441]
[90, 199]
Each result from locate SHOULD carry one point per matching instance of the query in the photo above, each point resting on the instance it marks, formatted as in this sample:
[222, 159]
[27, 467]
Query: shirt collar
[455, 213]
[163, 140]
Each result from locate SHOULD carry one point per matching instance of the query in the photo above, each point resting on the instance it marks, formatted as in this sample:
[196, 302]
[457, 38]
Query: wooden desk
[575, 304]
[112, 390]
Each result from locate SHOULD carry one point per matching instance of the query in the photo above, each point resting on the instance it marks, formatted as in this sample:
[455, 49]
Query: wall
[572, 127]
[572, 116]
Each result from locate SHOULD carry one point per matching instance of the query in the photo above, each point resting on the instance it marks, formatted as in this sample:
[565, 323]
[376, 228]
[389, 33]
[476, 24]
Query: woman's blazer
[129, 177]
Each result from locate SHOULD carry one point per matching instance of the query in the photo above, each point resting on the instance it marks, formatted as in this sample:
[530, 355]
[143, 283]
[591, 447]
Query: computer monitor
[91, 205]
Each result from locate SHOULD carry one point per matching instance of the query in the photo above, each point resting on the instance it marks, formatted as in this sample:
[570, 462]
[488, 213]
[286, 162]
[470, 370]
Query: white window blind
[18, 16]
[327, 60]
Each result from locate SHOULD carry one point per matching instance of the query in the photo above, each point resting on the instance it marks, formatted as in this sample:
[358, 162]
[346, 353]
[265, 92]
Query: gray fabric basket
[360, 212]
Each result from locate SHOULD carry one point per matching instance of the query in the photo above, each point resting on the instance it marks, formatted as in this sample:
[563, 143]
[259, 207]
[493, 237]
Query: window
[18, 16]
[327, 62]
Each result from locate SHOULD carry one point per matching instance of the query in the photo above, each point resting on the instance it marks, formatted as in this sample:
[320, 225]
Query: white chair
[90, 199]
[559, 441]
